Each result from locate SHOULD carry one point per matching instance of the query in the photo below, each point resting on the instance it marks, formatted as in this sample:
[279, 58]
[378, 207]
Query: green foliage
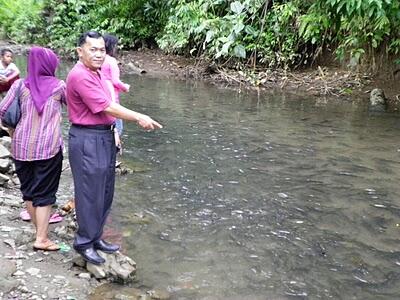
[278, 43]
[134, 21]
[238, 29]
[19, 19]
[282, 33]
[357, 27]
[58, 23]
[65, 20]
[273, 33]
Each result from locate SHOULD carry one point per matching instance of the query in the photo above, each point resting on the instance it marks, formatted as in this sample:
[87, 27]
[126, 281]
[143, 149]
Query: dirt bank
[317, 81]
[321, 81]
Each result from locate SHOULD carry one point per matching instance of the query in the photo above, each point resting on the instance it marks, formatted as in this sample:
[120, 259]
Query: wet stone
[159, 294]
[377, 100]
[117, 267]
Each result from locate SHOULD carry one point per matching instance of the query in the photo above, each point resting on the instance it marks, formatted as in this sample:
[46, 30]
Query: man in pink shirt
[92, 150]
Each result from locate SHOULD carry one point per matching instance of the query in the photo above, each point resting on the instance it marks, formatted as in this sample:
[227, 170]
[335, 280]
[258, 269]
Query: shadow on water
[259, 196]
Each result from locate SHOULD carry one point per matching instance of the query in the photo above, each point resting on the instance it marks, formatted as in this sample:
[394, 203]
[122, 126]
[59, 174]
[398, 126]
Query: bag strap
[19, 88]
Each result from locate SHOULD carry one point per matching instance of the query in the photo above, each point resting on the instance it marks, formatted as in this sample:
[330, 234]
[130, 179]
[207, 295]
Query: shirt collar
[82, 65]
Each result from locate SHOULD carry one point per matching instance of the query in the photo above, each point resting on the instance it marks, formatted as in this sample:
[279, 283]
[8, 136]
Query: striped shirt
[36, 137]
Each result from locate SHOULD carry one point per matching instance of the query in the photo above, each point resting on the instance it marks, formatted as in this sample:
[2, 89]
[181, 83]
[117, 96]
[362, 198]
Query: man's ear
[80, 51]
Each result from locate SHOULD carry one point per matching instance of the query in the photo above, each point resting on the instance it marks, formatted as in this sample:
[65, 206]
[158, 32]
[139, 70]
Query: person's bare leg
[42, 223]
[32, 211]
[42, 228]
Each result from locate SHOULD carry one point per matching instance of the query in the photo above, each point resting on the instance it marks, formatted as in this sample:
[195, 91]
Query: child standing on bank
[111, 73]
[9, 72]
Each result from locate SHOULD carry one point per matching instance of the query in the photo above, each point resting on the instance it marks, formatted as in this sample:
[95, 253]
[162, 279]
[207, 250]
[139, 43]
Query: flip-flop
[24, 215]
[54, 218]
[50, 247]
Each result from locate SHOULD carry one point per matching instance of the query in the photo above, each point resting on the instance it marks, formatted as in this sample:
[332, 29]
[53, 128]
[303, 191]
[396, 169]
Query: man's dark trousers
[92, 155]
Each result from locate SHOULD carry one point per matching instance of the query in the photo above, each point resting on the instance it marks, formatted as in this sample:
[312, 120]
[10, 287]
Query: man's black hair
[91, 34]
[5, 50]
[111, 41]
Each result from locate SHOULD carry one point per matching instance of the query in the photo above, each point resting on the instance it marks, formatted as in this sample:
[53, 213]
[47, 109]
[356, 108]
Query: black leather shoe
[90, 255]
[102, 245]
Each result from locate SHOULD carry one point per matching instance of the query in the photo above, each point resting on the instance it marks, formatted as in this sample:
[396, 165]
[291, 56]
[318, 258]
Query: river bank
[29, 274]
[322, 81]
[330, 81]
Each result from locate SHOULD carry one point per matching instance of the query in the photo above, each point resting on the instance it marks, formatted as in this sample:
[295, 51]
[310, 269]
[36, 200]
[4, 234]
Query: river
[271, 196]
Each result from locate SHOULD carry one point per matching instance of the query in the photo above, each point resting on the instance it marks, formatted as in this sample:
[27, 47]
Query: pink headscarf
[41, 80]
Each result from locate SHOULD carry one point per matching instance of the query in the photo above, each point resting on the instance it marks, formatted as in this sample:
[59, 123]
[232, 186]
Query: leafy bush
[19, 19]
[65, 20]
[357, 27]
[273, 33]
[224, 29]
[135, 21]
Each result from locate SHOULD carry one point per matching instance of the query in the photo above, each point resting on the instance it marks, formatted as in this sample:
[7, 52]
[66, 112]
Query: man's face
[92, 53]
[7, 58]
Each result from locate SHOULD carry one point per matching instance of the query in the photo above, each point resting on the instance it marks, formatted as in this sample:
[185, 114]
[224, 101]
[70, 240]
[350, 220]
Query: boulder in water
[377, 100]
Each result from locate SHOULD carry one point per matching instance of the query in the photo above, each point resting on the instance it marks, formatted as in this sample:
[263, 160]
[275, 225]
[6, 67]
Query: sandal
[49, 247]
[54, 218]
[24, 215]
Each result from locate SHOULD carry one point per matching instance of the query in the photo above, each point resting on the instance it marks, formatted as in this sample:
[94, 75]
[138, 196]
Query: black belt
[98, 127]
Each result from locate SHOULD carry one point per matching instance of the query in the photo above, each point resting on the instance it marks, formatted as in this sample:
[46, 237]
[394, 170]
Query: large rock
[377, 100]
[134, 68]
[118, 267]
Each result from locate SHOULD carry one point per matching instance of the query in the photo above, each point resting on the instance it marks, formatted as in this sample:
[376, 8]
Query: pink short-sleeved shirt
[87, 97]
[111, 72]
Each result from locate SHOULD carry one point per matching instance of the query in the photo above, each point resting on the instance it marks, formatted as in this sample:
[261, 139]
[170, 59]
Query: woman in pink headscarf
[37, 142]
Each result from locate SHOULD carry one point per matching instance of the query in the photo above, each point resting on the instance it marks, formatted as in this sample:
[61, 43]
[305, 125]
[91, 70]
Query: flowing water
[272, 196]
[259, 196]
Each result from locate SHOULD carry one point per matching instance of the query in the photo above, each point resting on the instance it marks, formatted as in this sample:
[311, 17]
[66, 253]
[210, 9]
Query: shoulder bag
[13, 113]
